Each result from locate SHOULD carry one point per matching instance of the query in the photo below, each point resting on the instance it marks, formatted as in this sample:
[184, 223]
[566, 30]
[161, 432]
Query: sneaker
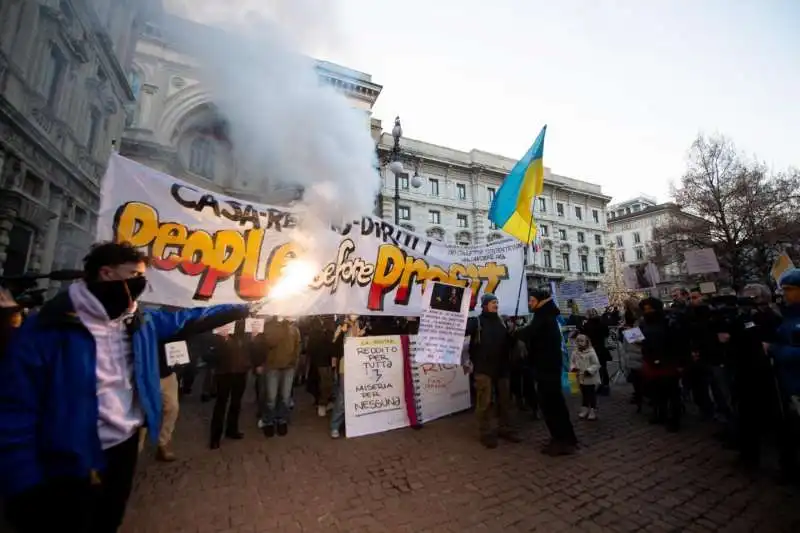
[261, 424]
[584, 413]
[592, 414]
[283, 429]
[321, 411]
[269, 430]
[335, 434]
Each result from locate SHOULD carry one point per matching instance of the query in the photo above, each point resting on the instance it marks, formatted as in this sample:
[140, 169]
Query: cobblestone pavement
[629, 476]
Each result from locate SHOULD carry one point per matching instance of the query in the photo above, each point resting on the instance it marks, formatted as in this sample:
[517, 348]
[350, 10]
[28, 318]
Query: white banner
[208, 248]
[441, 390]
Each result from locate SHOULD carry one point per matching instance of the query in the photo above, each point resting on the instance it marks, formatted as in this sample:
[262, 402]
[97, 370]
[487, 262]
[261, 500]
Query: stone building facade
[455, 190]
[63, 93]
[175, 127]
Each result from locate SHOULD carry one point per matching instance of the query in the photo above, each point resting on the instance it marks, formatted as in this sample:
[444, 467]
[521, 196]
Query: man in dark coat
[543, 338]
[490, 353]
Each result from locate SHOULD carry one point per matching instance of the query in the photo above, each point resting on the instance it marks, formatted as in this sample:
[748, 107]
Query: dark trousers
[555, 412]
[230, 387]
[589, 396]
[698, 379]
[667, 400]
[80, 505]
[605, 379]
[529, 389]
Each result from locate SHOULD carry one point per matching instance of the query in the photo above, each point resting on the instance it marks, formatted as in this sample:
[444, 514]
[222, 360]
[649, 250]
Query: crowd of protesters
[86, 376]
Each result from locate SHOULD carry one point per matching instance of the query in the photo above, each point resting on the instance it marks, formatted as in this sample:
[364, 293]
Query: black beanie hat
[540, 293]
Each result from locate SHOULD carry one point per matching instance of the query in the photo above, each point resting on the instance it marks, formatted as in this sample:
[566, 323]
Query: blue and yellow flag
[512, 209]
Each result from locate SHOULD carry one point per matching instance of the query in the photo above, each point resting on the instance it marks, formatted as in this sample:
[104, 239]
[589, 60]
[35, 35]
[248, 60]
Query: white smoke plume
[283, 123]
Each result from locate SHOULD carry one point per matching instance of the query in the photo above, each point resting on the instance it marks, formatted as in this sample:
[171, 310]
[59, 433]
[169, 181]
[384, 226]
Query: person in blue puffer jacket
[78, 381]
[785, 351]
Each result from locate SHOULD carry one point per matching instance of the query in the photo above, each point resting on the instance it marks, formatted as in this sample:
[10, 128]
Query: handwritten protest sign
[442, 324]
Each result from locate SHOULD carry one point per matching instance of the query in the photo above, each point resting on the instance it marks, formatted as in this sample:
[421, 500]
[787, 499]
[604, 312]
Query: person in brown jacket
[281, 341]
[233, 364]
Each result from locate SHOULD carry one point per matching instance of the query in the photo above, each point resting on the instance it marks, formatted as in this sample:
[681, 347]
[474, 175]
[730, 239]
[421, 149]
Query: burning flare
[296, 276]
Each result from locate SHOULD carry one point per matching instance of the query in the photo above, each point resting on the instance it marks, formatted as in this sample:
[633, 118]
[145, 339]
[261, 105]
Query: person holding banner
[351, 327]
[543, 339]
[78, 381]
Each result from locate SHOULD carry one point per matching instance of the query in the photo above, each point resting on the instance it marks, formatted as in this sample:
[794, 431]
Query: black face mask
[118, 295]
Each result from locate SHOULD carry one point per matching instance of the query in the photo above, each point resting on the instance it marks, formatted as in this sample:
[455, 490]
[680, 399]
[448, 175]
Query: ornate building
[456, 189]
[63, 90]
[175, 127]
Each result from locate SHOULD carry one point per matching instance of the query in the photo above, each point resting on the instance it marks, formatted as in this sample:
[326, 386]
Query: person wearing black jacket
[320, 350]
[235, 359]
[663, 362]
[543, 339]
[490, 348]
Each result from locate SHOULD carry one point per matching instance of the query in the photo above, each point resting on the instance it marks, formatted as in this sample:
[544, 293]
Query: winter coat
[320, 343]
[282, 340]
[786, 351]
[234, 353]
[543, 339]
[586, 361]
[597, 331]
[660, 357]
[631, 353]
[490, 345]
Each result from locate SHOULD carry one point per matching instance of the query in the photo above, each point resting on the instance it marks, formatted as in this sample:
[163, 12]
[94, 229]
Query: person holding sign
[351, 327]
[78, 381]
[490, 347]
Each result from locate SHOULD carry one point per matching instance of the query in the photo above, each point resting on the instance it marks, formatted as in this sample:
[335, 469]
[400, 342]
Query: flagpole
[529, 248]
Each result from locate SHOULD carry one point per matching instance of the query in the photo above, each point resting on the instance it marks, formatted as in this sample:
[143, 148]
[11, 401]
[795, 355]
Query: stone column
[51, 236]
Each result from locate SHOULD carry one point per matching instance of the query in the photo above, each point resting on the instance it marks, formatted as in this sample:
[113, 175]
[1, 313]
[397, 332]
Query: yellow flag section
[207, 247]
[781, 265]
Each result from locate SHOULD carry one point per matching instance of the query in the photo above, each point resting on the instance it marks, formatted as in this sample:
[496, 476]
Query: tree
[741, 211]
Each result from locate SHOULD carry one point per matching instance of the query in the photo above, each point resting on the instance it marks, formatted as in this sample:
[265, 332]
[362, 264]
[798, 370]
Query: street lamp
[396, 167]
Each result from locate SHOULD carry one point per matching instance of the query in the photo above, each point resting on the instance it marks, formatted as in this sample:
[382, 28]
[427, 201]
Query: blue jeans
[277, 396]
[337, 416]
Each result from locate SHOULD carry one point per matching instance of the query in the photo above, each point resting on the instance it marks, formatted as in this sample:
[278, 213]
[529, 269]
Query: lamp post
[396, 167]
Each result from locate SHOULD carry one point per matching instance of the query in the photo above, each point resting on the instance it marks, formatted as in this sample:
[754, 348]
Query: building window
[402, 181]
[560, 209]
[639, 254]
[492, 225]
[601, 265]
[598, 240]
[584, 263]
[581, 237]
[201, 157]
[55, 68]
[405, 212]
[565, 260]
[637, 239]
[434, 187]
[562, 234]
[543, 205]
[578, 213]
[434, 217]
[621, 255]
[94, 127]
[492, 192]
[596, 216]
[32, 185]
[461, 190]
[548, 259]
[80, 216]
[462, 221]
[545, 230]
[620, 242]
[18, 250]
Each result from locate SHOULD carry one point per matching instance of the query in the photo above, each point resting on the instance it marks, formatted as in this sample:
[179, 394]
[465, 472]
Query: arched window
[201, 157]
[132, 112]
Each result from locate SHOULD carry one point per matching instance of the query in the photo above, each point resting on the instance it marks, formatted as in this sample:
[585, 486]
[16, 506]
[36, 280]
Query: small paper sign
[254, 325]
[177, 353]
[227, 329]
[633, 335]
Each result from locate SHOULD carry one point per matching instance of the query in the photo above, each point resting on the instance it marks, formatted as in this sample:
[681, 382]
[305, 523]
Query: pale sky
[624, 86]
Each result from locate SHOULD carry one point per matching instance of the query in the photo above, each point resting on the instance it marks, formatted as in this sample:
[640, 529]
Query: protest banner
[208, 248]
[442, 324]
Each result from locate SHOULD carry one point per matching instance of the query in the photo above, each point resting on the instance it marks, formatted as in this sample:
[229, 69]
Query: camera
[25, 288]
